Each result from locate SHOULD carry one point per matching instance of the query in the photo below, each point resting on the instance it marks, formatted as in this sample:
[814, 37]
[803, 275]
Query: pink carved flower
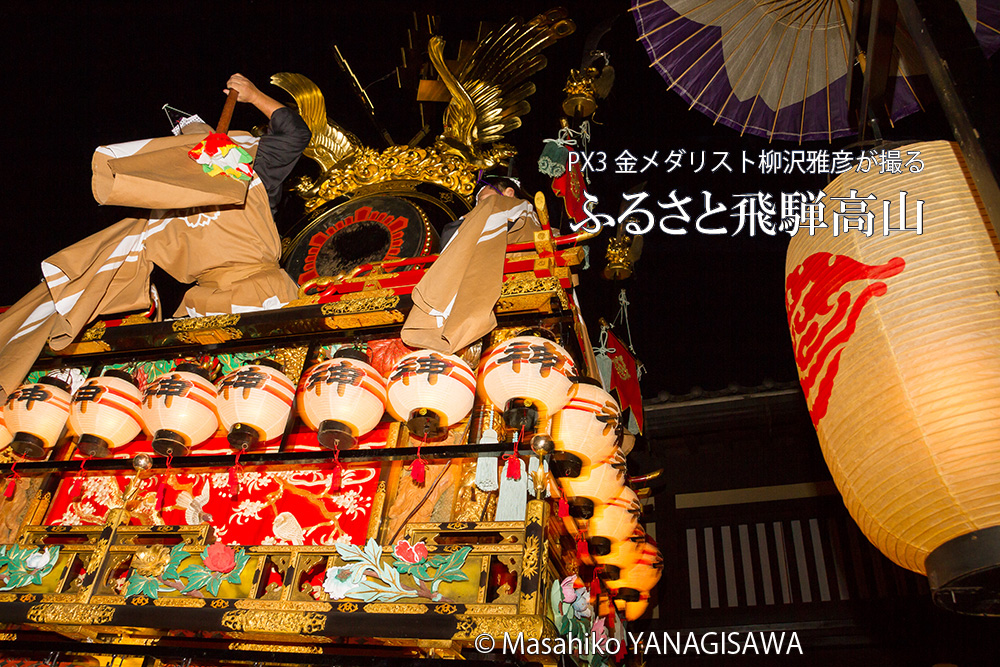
[568, 586]
[410, 554]
[220, 558]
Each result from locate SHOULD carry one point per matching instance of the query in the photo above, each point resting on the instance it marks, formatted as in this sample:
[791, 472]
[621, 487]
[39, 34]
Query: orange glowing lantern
[36, 414]
[179, 410]
[639, 578]
[622, 555]
[530, 377]
[342, 398]
[430, 391]
[896, 338]
[586, 427]
[254, 403]
[594, 486]
[105, 413]
[613, 522]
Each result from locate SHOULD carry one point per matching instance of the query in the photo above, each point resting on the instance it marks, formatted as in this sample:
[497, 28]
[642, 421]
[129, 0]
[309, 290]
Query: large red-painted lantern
[36, 414]
[530, 377]
[342, 398]
[105, 413]
[897, 340]
[430, 391]
[178, 408]
[254, 403]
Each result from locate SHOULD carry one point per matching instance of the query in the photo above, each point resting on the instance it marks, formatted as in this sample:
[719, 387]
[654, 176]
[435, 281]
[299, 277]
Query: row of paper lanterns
[342, 399]
[585, 433]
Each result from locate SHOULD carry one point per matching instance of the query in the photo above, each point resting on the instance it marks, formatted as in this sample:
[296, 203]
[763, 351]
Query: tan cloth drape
[453, 302]
[228, 244]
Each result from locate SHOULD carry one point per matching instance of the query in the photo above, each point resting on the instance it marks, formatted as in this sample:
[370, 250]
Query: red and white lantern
[587, 426]
[342, 399]
[36, 414]
[613, 522]
[105, 413]
[530, 377]
[179, 410]
[254, 403]
[595, 485]
[430, 391]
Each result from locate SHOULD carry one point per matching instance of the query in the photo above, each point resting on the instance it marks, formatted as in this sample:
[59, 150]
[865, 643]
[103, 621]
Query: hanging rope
[623, 304]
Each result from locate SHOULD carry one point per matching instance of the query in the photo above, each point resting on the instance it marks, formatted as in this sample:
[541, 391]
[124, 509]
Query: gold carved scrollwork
[293, 359]
[286, 622]
[71, 614]
[95, 332]
[199, 323]
[527, 605]
[281, 648]
[398, 163]
[184, 602]
[383, 608]
[521, 286]
[383, 300]
[529, 563]
[470, 627]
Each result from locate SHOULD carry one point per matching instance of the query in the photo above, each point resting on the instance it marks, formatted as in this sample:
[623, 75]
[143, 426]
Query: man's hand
[251, 94]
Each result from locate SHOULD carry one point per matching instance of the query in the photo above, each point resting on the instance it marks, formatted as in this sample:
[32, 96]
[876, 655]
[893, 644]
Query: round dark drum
[360, 231]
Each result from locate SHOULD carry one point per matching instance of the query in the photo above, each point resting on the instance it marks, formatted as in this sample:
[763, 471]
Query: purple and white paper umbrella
[779, 69]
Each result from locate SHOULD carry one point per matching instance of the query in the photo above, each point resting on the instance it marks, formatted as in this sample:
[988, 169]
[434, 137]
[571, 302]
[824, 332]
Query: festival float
[298, 480]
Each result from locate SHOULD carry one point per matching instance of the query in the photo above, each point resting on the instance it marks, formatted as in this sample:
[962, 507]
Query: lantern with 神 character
[613, 522]
[585, 430]
[430, 391]
[594, 486]
[105, 413]
[342, 398]
[530, 377]
[254, 403]
[179, 410]
[36, 414]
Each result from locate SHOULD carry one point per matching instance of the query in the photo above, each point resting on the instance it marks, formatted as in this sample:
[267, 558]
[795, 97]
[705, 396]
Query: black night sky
[706, 311]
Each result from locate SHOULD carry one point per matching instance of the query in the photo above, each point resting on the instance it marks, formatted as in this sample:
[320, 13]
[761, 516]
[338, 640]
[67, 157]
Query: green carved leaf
[177, 556]
[198, 577]
[138, 583]
[451, 569]
[233, 576]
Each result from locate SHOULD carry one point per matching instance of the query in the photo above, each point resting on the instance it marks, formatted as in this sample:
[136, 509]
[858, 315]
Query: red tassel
[76, 487]
[11, 487]
[563, 507]
[160, 492]
[417, 471]
[513, 467]
[610, 623]
[335, 478]
[595, 587]
[234, 484]
[581, 549]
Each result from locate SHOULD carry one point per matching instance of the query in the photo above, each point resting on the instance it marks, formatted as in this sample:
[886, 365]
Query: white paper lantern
[897, 341]
[613, 522]
[5, 435]
[36, 414]
[342, 399]
[431, 391]
[586, 426]
[529, 376]
[254, 403]
[595, 485]
[105, 413]
[179, 410]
